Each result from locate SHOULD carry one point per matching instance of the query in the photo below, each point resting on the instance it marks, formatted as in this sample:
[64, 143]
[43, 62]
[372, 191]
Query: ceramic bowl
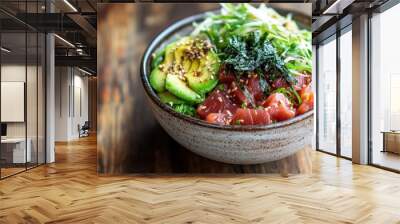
[233, 144]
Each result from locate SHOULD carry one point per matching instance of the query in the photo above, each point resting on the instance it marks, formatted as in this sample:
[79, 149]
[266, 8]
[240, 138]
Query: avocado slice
[196, 73]
[180, 89]
[158, 58]
[169, 54]
[157, 80]
[202, 76]
[181, 47]
[181, 61]
[168, 98]
[159, 73]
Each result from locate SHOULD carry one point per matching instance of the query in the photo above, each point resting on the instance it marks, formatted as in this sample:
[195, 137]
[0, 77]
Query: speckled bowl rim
[145, 69]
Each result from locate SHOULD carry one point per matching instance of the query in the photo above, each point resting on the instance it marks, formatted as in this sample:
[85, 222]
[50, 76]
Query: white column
[50, 92]
[50, 99]
[360, 90]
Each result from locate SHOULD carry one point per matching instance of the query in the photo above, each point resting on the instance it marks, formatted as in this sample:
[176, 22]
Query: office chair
[84, 130]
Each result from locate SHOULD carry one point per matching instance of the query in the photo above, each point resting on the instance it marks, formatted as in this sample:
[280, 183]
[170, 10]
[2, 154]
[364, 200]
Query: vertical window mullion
[0, 93]
[316, 97]
[26, 86]
[338, 74]
[369, 77]
[37, 90]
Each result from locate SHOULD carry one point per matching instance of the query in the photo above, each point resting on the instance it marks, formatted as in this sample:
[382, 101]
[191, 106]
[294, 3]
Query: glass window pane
[31, 97]
[385, 84]
[13, 86]
[22, 87]
[41, 98]
[327, 97]
[346, 93]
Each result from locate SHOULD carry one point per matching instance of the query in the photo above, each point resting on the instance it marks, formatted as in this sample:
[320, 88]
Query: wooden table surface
[129, 138]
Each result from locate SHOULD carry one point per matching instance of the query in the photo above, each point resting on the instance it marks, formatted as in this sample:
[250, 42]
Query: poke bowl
[232, 103]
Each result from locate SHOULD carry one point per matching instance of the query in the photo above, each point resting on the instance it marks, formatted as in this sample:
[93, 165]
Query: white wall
[12, 73]
[71, 102]
[33, 126]
[62, 81]
[80, 110]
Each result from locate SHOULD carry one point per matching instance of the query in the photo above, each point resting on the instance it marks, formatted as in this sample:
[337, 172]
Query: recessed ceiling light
[84, 71]
[65, 41]
[338, 6]
[5, 50]
[70, 5]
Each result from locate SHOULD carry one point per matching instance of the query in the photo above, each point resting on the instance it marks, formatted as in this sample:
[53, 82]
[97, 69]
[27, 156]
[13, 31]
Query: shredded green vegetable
[292, 45]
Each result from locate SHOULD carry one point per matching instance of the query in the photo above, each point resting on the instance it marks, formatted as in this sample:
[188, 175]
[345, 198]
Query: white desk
[18, 149]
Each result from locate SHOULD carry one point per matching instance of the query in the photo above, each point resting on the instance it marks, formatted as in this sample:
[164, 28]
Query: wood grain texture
[70, 191]
[92, 101]
[130, 139]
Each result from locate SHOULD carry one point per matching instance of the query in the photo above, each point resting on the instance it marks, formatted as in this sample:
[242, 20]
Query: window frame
[334, 37]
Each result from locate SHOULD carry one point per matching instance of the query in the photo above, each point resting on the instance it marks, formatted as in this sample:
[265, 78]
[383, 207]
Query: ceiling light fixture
[5, 50]
[70, 5]
[84, 71]
[65, 41]
[337, 7]
[328, 10]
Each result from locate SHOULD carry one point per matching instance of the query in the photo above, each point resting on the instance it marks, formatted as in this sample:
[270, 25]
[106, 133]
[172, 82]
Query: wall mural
[229, 95]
